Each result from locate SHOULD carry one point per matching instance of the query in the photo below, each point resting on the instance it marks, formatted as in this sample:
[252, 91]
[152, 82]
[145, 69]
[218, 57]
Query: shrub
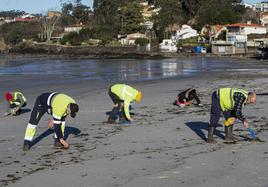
[13, 33]
[141, 41]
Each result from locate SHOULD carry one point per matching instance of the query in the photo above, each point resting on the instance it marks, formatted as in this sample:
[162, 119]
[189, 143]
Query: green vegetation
[11, 13]
[123, 17]
[141, 41]
[14, 33]
[74, 13]
[113, 17]
[76, 39]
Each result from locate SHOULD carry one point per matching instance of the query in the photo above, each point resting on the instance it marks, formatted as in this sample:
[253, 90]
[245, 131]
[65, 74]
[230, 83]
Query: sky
[42, 6]
[35, 6]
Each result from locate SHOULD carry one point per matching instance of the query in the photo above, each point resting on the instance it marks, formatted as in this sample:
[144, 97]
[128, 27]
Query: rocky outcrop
[3, 46]
[29, 47]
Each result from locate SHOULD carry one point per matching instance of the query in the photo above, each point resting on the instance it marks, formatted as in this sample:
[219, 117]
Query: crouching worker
[16, 100]
[230, 101]
[184, 98]
[59, 106]
[122, 96]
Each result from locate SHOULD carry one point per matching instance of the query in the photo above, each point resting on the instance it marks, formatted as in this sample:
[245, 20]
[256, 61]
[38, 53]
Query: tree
[47, 26]
[75, 12]
[219, 12]
[11, 13]
[15, 32]
[96, 4]
[169, 14]
[131, 18]
[107, 19]
[81, 12]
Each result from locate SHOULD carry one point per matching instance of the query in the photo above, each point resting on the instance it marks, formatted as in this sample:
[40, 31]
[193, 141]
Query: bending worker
[16, 100]
[59, 106]
[122, 96]
[230, 101]
[186, 96]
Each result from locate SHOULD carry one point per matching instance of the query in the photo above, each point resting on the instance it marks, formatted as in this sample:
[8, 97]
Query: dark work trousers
[215, 112]
[38, 111]
[116, 110]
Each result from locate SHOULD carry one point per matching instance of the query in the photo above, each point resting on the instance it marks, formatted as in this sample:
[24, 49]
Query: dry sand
[165, 146]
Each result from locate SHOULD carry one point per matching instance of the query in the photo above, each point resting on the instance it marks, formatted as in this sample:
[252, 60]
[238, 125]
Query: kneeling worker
[184, 98]
[122, 96]
[230, 101]
[59, 106]
[16, 100]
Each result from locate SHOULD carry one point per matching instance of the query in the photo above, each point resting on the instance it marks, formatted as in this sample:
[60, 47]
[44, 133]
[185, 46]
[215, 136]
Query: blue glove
[252, 133]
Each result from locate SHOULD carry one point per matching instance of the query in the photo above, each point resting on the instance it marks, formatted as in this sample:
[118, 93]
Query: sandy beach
[164, 146]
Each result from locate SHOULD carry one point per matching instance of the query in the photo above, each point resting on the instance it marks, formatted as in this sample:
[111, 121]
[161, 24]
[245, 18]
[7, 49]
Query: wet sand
[164, 146]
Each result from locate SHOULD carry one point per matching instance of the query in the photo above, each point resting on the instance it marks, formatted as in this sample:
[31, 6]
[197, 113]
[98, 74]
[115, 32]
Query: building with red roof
[245, 29]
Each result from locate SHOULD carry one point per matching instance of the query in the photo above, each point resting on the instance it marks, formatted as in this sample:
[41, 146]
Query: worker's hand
[64, 143]
[14, 110]
[245, 124]
[50, 124]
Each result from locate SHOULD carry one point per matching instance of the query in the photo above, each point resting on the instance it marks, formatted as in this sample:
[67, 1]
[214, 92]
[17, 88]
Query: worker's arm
[57, 128]
[8, 109]
[239, 100]
[126, 110]
[197, 99]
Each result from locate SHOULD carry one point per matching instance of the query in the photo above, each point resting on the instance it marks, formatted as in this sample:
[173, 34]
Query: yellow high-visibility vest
[59, 105]
[15, 98]
[227, 97]
[125, 93]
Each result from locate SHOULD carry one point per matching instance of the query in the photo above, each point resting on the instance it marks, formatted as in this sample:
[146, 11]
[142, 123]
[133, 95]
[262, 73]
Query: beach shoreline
[164, 146]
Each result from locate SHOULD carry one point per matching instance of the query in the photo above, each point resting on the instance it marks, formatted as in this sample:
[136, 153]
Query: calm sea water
[123, 69]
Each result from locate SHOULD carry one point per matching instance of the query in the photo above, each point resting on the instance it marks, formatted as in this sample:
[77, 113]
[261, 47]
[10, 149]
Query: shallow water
[123, 69]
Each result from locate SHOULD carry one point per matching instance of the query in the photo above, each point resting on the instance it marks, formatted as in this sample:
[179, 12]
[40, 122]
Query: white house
[264, 19]
[73, 28]
[184, 32]
[130, 38]
[212, 31]
[245, 29]
[262, 7]
[236, 38]
[27, 16]
[168, 46]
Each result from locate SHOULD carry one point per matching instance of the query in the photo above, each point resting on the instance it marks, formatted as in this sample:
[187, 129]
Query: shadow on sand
[67, 132]
[200, 127]
[25, 110]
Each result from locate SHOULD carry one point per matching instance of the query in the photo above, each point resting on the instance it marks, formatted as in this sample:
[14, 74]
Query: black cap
[74, 109]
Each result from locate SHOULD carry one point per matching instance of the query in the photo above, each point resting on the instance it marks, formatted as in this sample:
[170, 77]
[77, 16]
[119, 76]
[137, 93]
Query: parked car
[262, 53]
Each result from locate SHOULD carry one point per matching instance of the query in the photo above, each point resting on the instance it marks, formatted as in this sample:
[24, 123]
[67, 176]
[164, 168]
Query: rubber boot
[26, 145]
[228, 135]
[113, 116]
[210, 135]
[232, 136]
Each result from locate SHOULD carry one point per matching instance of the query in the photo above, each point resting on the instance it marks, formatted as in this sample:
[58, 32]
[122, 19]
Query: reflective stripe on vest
[49, 110]
[15, 98]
